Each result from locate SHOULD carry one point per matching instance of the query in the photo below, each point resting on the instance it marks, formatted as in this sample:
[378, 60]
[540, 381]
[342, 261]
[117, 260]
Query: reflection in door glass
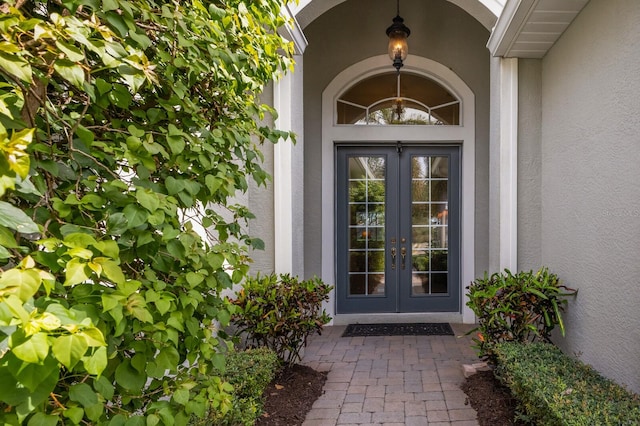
[429, 226]
[367, 193]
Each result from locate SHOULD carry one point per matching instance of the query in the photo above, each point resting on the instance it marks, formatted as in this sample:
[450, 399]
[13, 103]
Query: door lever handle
[403, 253]
[393, 258]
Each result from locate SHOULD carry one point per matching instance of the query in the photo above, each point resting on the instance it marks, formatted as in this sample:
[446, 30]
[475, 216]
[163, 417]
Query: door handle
[393, 258]
[403, 253]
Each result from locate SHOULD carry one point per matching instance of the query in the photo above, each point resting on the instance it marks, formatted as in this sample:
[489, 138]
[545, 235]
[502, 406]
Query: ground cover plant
[521, 307]
[126, 126]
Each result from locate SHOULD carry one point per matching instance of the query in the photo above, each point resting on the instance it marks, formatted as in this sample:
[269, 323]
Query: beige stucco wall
[493, 188]
[590, 186]
[529, 164]
[354, 31]
[260, 201]
[297, 173]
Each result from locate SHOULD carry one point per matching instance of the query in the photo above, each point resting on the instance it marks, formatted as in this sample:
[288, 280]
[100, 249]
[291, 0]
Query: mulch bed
[290, 396]
[493, 401]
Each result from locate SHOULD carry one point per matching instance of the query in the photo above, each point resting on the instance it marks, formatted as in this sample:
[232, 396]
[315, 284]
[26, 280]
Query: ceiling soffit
[484, 11]
[528, 28]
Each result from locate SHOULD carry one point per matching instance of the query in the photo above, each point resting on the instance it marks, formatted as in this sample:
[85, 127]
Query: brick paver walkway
[392, 380]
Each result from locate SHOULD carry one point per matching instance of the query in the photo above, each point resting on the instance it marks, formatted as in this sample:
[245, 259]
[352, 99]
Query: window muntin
[398, 99]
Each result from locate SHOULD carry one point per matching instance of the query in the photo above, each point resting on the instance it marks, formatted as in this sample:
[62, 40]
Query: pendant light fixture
[398, 33]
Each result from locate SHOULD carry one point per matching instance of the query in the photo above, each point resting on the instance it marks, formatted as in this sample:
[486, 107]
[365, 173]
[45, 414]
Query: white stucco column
[282, 180]
[509, 163]
[287, 164]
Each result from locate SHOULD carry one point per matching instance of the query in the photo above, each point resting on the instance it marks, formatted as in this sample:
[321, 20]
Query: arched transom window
[398, 98]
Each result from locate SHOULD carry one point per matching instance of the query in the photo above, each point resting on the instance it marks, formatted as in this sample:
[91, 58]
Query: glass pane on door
[366, 199]
[429, 224]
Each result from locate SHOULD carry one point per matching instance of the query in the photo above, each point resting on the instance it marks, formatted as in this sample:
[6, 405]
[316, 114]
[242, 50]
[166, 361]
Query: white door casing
[464, 134]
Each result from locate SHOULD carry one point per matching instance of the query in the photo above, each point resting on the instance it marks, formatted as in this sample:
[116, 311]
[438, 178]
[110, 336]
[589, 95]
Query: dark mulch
[290, 396]
[492, 400]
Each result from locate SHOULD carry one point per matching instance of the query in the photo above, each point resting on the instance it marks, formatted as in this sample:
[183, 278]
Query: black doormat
[416, 329]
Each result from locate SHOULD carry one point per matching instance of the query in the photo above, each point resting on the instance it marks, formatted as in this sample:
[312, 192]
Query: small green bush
[524, 307]
[249, 372]
[554, 389]
[281, 312]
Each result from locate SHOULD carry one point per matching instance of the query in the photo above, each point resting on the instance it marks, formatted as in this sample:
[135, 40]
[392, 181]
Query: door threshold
[395, 318]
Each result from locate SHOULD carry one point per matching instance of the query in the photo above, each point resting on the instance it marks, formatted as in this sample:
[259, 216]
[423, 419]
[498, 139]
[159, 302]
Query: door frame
[464, 135]
[398, 297]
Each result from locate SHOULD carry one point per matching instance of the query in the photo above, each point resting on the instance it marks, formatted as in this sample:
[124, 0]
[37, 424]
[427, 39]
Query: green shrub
[249, 372]
[126, 126]
[281, 312]
[554, 389]
[523, 307]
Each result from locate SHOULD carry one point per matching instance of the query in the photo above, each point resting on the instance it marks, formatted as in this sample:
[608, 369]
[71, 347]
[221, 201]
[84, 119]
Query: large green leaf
[181, 396]
[22, 282]
[148, 199]
[42, 419]
[174, 185]
[73, 53]
[68, 349]
[117, 224]
[16, 66]
[75, 414]
[135, 216]
[103, 386]
[33, 349]
[70, 71]
[33, 399]
[93, 336]
[108, 248]
[128, 377]
[168, 358]
[137, 307]
[96, 363]
[110, 269]
[82, 393]
[14, 218]
[76, 272]
[95, 411]
[31, 376]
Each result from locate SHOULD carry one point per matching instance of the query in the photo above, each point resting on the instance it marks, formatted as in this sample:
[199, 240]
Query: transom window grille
[398, 98]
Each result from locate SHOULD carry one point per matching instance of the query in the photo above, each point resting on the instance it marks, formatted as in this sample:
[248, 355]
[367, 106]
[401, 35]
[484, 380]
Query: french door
[398, 228]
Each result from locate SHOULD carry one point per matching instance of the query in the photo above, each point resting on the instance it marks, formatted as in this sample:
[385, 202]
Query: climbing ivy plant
[126, 126]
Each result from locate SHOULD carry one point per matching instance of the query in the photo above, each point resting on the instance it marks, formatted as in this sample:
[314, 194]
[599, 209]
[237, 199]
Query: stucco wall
[529, 164]
[493, 187]
[591, 183]
[260, 201]
[297, 184]
[354, 31]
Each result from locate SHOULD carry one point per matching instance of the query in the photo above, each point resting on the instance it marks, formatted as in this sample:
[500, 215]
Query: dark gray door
[398, 229]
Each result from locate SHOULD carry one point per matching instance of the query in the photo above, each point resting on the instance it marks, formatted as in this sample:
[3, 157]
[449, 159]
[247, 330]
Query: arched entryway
[451, 144]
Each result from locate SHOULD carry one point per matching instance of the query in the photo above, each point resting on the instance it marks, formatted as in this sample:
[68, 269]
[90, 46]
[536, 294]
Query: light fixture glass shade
[398, 46]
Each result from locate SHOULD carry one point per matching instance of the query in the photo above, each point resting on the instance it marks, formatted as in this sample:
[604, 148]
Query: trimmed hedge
[249, 372]
[555, 389]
